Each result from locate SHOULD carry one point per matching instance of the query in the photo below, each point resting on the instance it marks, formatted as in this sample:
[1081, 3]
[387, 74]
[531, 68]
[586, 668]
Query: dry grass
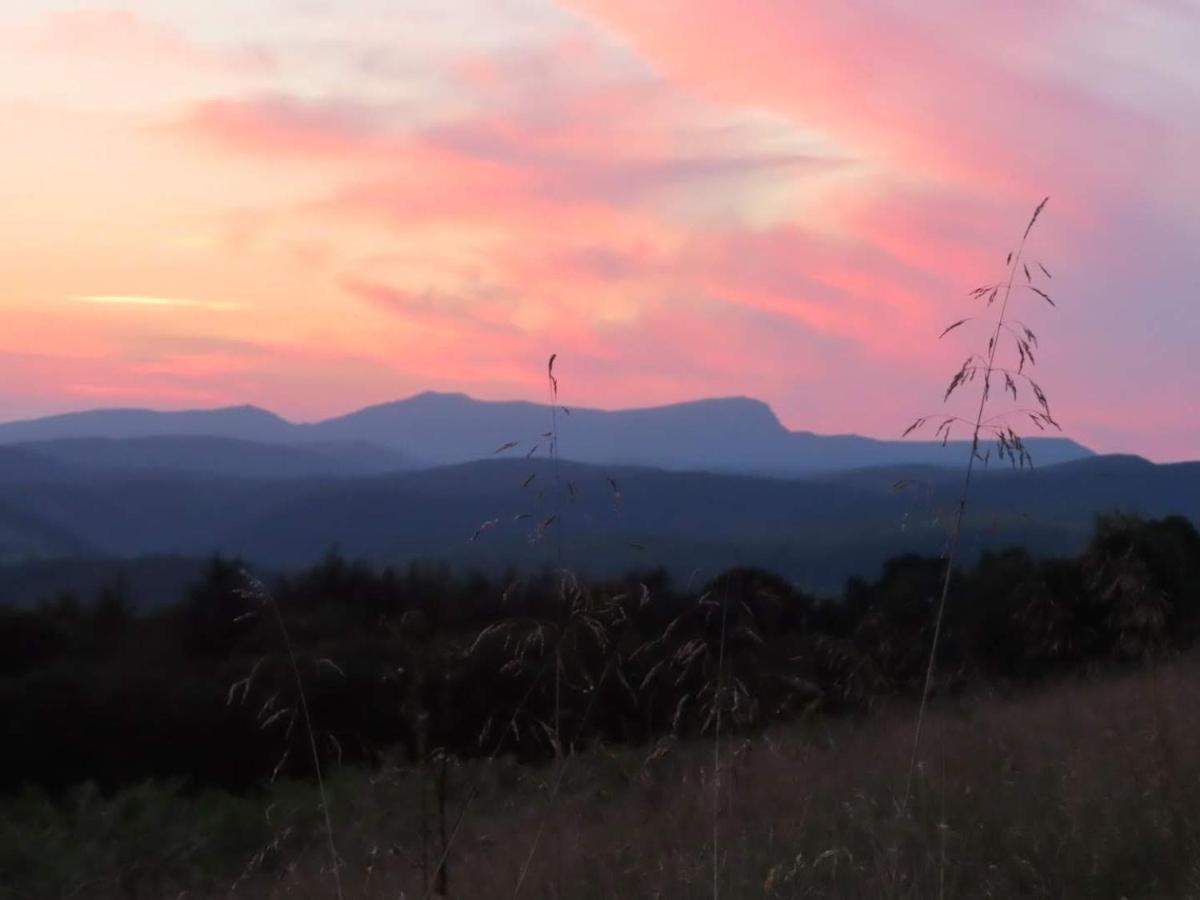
[1087, 789]
[1008, 337]
[258, 594]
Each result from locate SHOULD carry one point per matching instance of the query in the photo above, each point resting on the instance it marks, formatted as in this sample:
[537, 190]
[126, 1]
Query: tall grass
[1061, 794]
[580, 618]
[716, 774]
[1021, 342]
[257, 592]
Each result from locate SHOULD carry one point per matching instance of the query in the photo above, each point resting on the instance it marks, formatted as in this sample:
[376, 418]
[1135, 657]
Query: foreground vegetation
[561, 735]
[1084, 789]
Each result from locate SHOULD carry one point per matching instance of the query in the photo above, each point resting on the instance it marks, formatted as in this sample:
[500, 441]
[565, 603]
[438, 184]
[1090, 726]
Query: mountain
[734, 434]
[816, 530]
[23, 464]
[26, 536]
[455, 428]
[248, 423]
[207, 454]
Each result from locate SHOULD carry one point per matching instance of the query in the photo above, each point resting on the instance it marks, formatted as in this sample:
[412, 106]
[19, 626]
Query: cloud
[428, 308]
[960, 118]
[282, 126]
[156, 302]
[122, 36]
[487, 162]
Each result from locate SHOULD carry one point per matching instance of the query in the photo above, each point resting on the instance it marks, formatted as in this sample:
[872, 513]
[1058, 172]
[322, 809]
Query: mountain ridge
[731, 434]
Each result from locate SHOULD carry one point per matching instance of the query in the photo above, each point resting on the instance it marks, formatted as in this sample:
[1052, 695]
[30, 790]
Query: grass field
[1087, 788]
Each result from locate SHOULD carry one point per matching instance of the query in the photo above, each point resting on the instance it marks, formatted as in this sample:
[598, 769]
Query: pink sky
[314, 206]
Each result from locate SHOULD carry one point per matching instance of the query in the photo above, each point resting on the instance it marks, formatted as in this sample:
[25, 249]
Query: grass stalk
[552, 381]
[1009, 441]
[477, 784]
[258, 591]
[560, 776]
[716, 799]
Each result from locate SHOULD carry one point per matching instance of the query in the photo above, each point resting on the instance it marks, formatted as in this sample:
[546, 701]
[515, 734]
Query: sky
[313, 206]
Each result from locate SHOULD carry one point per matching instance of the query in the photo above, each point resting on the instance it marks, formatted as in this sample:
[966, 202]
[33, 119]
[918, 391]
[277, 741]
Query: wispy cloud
[431, 309]
[138, 300]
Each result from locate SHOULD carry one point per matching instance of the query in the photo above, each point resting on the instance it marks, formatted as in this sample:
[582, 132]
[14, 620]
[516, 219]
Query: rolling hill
[816, 530]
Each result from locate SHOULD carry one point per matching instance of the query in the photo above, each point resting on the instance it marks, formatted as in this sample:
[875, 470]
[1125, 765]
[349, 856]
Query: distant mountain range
[429, 429]
[691, 487]
[496, 515]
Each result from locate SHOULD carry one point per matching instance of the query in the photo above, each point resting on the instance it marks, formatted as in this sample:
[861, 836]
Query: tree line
[425, 661]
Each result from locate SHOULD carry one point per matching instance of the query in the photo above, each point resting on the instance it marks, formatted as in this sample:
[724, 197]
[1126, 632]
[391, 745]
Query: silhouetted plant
[273, 711]
[1021, 343]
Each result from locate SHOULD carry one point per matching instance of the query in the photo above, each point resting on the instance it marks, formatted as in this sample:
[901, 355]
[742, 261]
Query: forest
[409, 662]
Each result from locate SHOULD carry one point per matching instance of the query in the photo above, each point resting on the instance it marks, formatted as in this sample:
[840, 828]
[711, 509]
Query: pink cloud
[122, 36]
[476, 164]
[432, 310]
[279, 127]
[881, 290]
[962, 117]
[934, 96]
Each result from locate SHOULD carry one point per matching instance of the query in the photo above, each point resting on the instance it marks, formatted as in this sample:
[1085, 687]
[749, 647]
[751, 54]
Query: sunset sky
[312, 206]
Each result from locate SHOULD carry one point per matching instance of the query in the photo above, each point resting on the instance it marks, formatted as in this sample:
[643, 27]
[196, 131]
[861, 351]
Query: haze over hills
[728, 434]
[817, 530]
